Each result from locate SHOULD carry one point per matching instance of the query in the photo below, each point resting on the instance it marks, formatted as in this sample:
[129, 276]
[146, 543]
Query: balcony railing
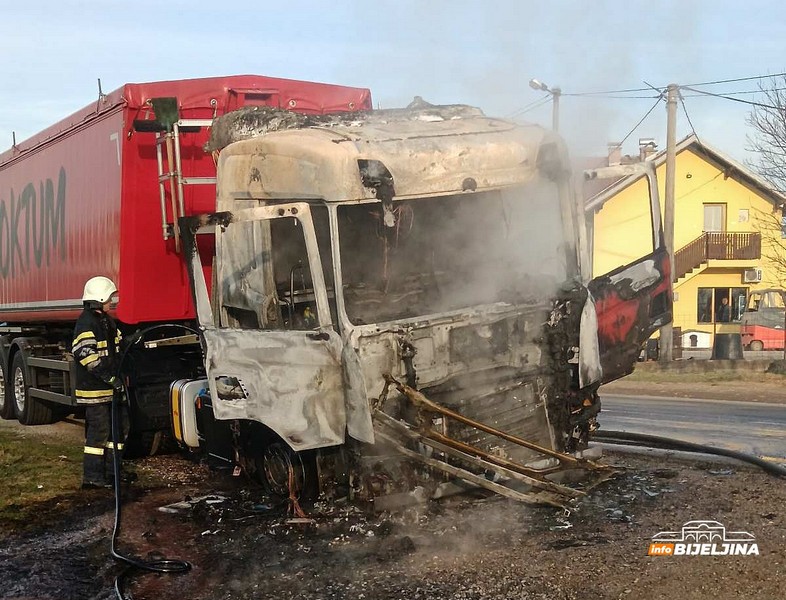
[716, 246]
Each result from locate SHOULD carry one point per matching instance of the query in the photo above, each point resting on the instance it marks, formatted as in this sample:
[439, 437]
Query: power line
[630, 90]
[697, 188]
[592, 96]
[719, 81]
[531, 106]
[613, 93]
[750, 102]
[687, 116]
[741, 92]
[636, 126]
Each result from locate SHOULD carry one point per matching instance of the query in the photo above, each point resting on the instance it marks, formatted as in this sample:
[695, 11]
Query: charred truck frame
[430, 252]
[387, 299]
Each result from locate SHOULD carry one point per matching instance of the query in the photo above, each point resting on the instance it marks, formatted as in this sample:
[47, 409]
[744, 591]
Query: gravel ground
[464, 548]
[468, 547]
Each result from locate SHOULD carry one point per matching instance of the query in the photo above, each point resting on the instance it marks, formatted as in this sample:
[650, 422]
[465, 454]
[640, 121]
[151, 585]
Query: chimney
[615, 153]
[647, 148]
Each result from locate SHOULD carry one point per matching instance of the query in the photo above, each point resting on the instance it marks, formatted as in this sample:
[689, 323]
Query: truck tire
[29, 411]
[278, 463]
[144, 443]
[6, 400]
[757, 346]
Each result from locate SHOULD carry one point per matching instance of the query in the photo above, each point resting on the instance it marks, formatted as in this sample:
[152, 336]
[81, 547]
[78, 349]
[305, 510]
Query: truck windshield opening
[419, 257]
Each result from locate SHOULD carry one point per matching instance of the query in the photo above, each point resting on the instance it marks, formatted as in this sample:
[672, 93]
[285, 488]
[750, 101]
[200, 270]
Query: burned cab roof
[272, 154]
[252, 121]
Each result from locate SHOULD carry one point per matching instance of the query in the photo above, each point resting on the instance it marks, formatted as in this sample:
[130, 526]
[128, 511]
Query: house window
[721, 304]
[705, 305]
[714, 217]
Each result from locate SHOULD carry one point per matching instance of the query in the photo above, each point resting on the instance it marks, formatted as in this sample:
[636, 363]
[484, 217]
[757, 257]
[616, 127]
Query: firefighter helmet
[99, 289]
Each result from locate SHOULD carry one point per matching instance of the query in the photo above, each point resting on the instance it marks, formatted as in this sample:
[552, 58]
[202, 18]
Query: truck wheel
[280, 466]
[6, 402]
[29, 411]
[145, 443]
[757, 346]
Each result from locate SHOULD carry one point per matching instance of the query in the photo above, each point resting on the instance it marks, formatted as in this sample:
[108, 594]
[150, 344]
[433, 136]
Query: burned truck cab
[399, 280]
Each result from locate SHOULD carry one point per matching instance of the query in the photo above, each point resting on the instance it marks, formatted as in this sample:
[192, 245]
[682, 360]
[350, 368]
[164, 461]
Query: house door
[714, 218]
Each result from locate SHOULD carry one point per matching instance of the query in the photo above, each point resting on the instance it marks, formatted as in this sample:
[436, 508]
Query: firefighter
[96, 348]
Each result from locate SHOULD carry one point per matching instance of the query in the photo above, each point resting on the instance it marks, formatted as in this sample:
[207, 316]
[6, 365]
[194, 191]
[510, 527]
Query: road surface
[747, 426]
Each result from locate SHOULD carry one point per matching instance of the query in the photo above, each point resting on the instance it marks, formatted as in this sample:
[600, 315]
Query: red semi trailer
[92, 196]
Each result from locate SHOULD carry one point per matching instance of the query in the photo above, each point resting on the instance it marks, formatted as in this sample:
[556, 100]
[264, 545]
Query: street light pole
[555, 94]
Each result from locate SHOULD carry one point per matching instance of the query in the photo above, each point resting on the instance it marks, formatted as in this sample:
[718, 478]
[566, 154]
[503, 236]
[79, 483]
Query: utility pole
[666, 332]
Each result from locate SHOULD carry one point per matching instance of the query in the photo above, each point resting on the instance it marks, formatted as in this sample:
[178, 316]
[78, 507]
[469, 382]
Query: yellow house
[728, 236]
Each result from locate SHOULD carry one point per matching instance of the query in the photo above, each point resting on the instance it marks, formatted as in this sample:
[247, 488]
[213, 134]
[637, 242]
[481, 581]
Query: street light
[555, 94]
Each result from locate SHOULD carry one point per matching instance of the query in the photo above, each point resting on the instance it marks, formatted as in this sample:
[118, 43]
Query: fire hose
[663, 443]
[161, 565]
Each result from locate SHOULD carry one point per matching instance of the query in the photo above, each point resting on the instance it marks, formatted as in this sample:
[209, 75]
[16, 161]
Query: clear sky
[460, 51]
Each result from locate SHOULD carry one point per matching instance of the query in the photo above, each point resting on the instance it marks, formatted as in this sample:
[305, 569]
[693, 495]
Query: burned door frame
[298, 383]
[633, 300]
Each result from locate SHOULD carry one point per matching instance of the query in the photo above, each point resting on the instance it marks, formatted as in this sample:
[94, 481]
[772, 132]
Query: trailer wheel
[29, 411]
[6, 403]
[757, 345]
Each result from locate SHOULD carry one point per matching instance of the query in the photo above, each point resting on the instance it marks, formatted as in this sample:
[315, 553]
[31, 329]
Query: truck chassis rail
[531, 484]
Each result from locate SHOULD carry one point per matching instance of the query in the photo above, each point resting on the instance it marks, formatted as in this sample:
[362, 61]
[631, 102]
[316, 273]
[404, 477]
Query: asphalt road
[747, 426]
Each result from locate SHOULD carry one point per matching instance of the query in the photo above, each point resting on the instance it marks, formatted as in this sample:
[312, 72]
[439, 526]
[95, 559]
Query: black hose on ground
[654, 441]
[163, 565]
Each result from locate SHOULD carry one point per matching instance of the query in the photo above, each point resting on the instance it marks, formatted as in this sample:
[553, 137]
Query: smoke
[485, 55]
[443, 254]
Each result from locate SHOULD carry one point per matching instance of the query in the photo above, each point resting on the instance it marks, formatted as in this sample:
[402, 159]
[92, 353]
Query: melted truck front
[405, 287]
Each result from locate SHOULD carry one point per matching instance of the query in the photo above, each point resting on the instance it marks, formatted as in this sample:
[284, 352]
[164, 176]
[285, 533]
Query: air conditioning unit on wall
[751, 276]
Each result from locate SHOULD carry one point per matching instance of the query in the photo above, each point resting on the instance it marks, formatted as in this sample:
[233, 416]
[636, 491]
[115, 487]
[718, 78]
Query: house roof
[728, 165]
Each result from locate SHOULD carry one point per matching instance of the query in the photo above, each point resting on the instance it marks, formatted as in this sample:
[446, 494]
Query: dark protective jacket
[95, 348]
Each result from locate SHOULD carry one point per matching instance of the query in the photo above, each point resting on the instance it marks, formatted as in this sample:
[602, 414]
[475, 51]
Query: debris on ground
[245, 545]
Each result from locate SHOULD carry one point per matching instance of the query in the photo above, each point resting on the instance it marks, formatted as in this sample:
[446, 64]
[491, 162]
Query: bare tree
[768, 141]
[768, 119]
[769, 224]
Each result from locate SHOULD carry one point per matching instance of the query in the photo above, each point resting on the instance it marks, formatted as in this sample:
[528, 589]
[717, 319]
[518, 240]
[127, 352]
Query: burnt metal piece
[454, 449]
[408, 352]
[543, 490]
[422, 402]
[478, 480]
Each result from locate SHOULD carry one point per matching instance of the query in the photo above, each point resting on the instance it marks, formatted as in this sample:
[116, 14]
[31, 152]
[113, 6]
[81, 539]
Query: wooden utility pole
[666, 332]
[555, 94]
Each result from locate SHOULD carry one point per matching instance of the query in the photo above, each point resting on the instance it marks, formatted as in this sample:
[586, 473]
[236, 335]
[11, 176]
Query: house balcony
[717, 247]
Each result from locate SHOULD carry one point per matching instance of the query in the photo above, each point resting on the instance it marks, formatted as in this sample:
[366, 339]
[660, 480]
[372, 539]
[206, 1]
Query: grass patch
[721, 376]
[33, 471]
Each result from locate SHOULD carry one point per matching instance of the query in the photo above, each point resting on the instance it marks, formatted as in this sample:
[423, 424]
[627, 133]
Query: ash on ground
[245, 546]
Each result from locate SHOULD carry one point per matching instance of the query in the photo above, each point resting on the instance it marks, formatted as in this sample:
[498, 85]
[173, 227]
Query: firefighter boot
[109, 468]
[94, 475]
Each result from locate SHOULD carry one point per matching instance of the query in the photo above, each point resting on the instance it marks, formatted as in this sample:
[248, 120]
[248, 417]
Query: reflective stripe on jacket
[95, 348]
